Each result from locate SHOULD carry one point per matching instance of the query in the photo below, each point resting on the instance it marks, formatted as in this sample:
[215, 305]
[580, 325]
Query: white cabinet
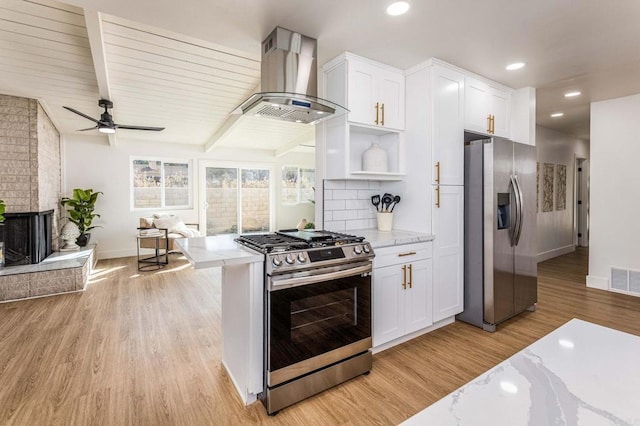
[375, 93]
[486, 108]
[448, 251]
[402, 291]
[447, 126]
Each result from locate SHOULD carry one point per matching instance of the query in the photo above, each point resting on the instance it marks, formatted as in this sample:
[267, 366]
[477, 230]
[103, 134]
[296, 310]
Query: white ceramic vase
[374, 159]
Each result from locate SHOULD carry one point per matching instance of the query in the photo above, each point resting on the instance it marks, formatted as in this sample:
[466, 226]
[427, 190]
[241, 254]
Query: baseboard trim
[413, 335]
[112, 254]
[601, 283]
[555, 253]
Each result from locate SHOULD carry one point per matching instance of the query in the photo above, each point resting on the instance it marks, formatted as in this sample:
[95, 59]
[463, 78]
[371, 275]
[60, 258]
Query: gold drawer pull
[377, 111]
[410, 276]
[404, 277]
[408, 253]
[438, 172]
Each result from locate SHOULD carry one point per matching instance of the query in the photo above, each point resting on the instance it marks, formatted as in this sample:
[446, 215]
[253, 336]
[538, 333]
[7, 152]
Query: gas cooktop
[295, 240]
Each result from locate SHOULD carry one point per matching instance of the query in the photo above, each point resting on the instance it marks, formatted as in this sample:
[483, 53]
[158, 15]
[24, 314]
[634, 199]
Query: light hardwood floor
[144, 349]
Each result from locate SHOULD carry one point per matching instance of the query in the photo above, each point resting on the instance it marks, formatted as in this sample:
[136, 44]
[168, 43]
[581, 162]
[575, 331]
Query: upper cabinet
[374, 95]
[374, 92]
[486, 108]
[447, 126]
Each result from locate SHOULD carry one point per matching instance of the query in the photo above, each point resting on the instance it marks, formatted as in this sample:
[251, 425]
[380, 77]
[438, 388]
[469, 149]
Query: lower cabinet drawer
[395, 255]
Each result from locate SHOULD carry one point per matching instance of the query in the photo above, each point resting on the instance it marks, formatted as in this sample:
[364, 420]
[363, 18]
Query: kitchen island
[242, 306]
[579, 374]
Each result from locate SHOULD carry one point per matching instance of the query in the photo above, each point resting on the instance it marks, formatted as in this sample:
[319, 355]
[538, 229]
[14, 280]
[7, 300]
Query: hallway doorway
[581, 207]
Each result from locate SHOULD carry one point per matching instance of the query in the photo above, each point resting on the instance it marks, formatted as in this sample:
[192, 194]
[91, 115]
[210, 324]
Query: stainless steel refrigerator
[500, 266]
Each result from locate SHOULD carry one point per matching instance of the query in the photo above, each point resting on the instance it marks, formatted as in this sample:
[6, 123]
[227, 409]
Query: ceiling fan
[106, 124]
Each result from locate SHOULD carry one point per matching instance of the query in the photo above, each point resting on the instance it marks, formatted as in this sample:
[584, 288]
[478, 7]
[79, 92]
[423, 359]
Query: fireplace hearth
[27, 237]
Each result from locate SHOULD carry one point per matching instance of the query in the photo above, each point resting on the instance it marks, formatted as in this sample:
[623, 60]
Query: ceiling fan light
[108, 130]
[398, 8]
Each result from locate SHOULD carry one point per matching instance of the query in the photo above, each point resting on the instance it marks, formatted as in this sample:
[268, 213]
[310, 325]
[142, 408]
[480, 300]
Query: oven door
[324, 320]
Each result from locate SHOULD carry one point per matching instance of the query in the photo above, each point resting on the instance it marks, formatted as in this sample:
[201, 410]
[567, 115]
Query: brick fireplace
[30, 163]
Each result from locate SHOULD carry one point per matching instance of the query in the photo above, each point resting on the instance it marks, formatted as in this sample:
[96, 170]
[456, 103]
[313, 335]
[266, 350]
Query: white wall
[615, 193]
[555, 228]
[88, 162]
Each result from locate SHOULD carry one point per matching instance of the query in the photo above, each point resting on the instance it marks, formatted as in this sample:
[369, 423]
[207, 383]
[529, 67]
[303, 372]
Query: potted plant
[3, 206]
[82, 212]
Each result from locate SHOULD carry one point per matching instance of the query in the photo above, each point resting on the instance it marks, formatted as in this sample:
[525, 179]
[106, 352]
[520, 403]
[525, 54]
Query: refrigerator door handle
[516, 205]
[520, 211]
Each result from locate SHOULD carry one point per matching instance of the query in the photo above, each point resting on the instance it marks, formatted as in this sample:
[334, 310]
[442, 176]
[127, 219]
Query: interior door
[525, 260]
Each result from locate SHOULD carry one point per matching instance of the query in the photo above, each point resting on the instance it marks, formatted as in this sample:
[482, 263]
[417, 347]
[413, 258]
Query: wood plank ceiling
[154, 77]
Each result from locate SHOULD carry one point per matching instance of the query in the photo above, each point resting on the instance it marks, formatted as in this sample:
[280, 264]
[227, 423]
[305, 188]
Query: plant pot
[83, 239]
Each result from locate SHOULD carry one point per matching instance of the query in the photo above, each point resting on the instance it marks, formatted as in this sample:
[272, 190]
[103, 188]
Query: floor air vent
[625, 280]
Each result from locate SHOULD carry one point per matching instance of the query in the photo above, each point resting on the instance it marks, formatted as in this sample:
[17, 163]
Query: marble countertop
[579, 374]
[219, 250]
[379, 239]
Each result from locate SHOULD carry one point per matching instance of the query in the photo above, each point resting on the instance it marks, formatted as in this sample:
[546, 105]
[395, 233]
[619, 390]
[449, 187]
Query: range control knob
[276, 261]
[366, 248]
[290, 259]
[357, 250]
[302, 257]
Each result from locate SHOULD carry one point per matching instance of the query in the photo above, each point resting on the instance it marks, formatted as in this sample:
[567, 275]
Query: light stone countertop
[579, 374]
[219, 250]
[379, 239]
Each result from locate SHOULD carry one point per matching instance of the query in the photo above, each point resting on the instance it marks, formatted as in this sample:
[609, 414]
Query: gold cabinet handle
[410, 276]
[382, 122]
[408, 253]
[404, 277]
[489, 123]
[438, 172]
[377, 111]
[493, 124]
[438, 196]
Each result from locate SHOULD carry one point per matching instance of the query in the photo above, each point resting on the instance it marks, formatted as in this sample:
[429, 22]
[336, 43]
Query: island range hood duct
[289, 81]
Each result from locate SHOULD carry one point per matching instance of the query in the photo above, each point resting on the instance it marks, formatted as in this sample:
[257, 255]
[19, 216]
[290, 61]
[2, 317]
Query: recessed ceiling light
[515, 66]
[398, 8]
[572, 94]
[557, 114]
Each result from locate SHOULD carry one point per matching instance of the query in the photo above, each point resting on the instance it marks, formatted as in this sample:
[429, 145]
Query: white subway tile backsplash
[347, 204]
[357, 204]
[345, 214]
[335, 204]
[366, 214]
[334, 184]
[345, 194]
[335, 225]
[366, 194]
[357, 224]
[357, 184]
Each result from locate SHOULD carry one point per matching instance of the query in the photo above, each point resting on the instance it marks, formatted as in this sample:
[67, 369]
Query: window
[159, 184]
[298, 185]
[238, 200]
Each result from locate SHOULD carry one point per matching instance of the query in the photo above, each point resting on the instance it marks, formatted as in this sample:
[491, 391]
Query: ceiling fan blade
[82, 114]
[88, 128]
[154, 129]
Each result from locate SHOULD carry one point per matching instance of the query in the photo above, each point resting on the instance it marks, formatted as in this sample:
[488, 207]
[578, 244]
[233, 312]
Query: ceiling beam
[224, 130]
[293, 144]
[93, 21]
[232, 121]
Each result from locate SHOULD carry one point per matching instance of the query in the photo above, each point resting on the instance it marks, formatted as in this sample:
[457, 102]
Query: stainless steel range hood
[289, 81]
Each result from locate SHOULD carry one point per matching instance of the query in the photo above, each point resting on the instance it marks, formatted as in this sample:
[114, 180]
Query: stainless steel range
[317, 312]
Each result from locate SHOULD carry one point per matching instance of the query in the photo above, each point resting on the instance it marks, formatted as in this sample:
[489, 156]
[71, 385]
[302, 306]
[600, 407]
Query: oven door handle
[282, 283]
